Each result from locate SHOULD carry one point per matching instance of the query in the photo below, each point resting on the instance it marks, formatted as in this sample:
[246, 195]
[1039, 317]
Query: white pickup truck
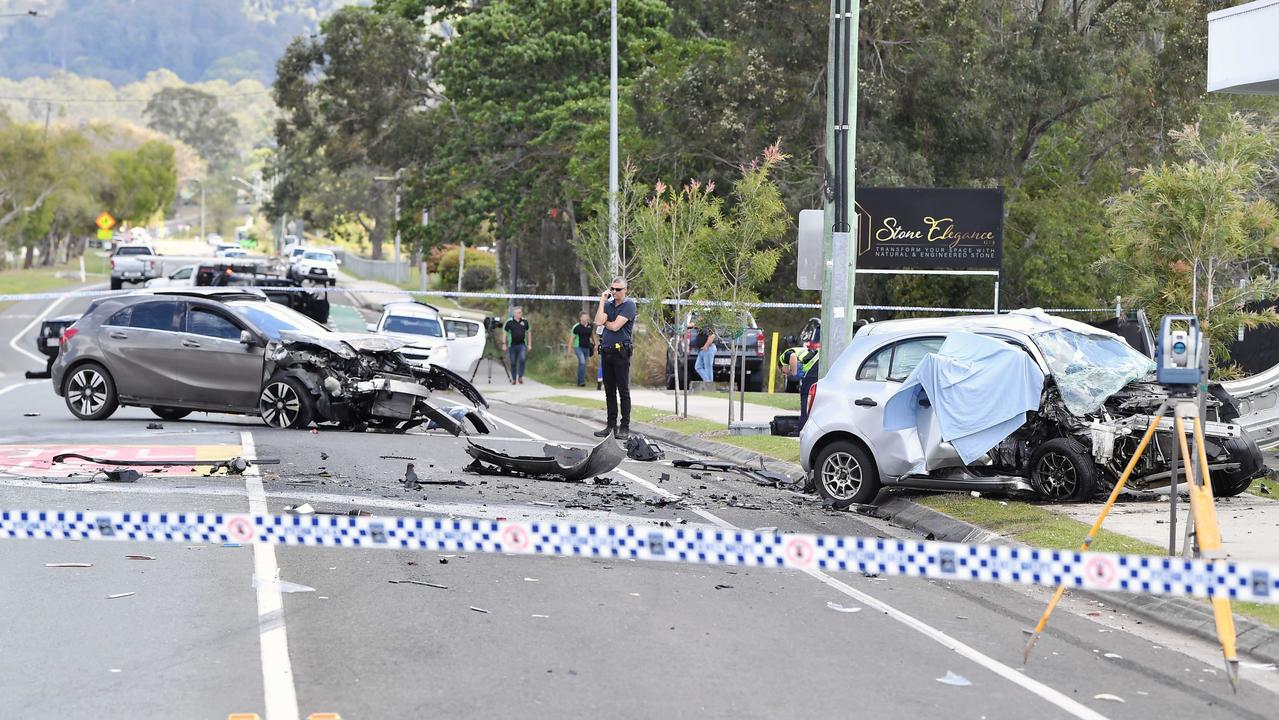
[133, 263]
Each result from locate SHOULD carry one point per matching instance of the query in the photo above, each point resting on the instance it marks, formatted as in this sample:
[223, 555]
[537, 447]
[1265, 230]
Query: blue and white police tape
[1164, 576]
[18, 297]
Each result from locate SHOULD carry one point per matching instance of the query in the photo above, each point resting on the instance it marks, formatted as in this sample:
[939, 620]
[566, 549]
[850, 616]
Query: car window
[158, 315]
[134, 251]
[121, 318]
[412, 325]
[461, 328]
[323, 256]
[182, 274]
[211, 324]
[896, 362]
[907, 356]
[271, 319]
[875, 369]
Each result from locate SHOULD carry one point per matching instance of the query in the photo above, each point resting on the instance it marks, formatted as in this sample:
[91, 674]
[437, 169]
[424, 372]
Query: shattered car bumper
[562, 463]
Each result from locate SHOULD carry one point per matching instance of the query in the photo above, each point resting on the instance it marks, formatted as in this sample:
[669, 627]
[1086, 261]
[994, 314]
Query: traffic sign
[105, 221]
[104, 234]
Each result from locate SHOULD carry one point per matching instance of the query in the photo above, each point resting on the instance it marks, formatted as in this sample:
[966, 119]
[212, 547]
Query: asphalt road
[562, 637]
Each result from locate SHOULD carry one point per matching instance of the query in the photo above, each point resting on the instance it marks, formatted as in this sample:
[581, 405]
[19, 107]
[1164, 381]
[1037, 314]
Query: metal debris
[120, 475]
[479, 610]
[842, 608]
[559, 463]
[67, 480]
[139, 557]
[68, 565]
[117, 596]
[64, 457]
[418, 582]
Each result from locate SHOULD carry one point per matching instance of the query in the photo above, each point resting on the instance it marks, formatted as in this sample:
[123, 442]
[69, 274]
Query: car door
[466, 344]
[215, 369]
[140, 343]
[878, 378]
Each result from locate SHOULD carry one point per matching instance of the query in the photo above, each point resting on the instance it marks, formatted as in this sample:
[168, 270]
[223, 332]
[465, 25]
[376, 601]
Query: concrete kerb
[1257, 640]
[1183, 614]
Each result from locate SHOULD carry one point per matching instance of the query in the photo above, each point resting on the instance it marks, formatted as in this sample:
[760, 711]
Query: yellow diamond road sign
[105, 221]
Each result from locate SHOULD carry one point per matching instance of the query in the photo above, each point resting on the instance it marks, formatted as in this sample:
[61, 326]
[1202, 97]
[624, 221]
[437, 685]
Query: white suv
[319, 266]
[419, 324]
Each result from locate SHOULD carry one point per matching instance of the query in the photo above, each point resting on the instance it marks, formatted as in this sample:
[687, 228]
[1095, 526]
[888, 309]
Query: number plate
[51, 342]
[722, 362]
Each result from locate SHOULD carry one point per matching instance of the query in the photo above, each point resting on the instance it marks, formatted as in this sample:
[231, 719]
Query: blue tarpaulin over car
[980, 390]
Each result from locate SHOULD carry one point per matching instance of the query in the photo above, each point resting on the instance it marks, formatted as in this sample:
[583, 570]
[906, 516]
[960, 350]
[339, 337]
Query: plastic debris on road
[155, 426]
[139, 557]
[842, 608]
[283, 586]
[479, 610]
[117, 596]
[951, 678]
[68, 565]
[1108, 697]
[418, 582]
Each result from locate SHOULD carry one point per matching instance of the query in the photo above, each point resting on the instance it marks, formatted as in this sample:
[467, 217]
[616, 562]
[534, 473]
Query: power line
[20, 98]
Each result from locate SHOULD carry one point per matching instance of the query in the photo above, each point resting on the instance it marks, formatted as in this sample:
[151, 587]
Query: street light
[200, 182]
[614, 258]
[396, 179]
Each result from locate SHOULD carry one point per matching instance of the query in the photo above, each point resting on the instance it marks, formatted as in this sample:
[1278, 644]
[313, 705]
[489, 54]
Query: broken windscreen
[1090, 368]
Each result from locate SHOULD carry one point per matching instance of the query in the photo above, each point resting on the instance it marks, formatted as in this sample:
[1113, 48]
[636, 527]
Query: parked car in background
[750, 351]
[231, 351]
[214, 239]
[419, 326]
[288, 243]
[311, 302]
[318, 266]
[225, 247]
[182, 277]
[133, 263]
[1098, 397]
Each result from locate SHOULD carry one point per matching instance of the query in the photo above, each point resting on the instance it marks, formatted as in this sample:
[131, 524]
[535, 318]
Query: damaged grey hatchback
[236, 352]
[1023, 401]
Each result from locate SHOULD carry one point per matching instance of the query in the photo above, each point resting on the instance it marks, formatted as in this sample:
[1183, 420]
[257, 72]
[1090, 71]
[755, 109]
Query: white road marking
[15, 386]
[277, 672]
[22, 334]
[1043, 691]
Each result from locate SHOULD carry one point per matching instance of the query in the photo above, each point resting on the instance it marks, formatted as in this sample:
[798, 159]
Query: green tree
[142, 182]
[675, 233]
[194, 117]
[1195, 236]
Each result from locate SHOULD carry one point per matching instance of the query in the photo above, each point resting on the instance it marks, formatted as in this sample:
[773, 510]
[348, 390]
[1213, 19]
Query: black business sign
[930, 228]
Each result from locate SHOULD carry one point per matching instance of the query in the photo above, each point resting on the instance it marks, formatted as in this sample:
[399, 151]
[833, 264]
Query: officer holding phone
[616, 313]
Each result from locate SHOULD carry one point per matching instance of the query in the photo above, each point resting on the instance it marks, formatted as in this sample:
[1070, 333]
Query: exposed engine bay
[361, 382]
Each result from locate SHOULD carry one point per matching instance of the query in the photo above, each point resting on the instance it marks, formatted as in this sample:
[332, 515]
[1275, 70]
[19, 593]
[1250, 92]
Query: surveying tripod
[1207, 534]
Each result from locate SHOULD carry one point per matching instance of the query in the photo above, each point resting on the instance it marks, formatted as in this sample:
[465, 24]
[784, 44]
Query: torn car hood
[344, 344]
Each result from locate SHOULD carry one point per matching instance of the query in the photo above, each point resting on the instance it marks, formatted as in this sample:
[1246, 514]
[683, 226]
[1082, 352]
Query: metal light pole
[614, 258]
[840, 242]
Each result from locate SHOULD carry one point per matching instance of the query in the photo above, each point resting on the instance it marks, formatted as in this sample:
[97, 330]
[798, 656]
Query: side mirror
[339, 262]
[451, 336]
[247, 338]
[371, 327]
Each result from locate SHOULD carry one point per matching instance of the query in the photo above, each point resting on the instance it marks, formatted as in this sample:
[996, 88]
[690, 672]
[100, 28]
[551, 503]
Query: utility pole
[614, 256]
[840, 241]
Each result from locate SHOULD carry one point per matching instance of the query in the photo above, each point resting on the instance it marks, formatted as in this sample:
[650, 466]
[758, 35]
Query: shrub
[447, 266]
[479, 278]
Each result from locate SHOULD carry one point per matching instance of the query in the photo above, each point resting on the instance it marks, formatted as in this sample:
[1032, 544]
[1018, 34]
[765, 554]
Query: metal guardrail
[384, 270]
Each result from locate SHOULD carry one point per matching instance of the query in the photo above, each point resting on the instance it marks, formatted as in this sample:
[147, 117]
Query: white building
[1243, 49]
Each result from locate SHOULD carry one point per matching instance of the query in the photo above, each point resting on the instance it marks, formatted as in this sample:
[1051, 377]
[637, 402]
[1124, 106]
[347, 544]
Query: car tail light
[812, 397]
[67, 335]
[113, 263]
[759, 344]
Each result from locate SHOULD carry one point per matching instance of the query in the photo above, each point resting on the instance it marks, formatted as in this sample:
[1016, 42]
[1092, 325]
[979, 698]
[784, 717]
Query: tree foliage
[1197, 234]
[194, 117]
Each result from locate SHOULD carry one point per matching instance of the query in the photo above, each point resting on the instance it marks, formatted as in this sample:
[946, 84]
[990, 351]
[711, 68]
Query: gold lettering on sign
[943, 230]
[892, 230]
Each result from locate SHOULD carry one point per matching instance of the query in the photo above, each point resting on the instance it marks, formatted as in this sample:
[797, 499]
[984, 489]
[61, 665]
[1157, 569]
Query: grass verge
[1265, 487]
[781, 401]
[781, 448]
[44, 279]
[1038, 526]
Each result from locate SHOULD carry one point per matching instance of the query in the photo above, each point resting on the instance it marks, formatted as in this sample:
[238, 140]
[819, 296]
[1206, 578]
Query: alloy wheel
[87, 391]
[1056, 475]
[842, 475]
[280, 405]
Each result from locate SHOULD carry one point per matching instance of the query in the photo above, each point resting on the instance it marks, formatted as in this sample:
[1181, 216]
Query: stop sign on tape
[515, 539]
[239, 528]
[800, 552]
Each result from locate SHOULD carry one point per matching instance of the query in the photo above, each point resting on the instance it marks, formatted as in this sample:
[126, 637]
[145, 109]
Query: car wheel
[116, 283]
[845, 474]
[170, 413]
[285, 403]
[90, 393]
[1244, 451]
[1062, 471]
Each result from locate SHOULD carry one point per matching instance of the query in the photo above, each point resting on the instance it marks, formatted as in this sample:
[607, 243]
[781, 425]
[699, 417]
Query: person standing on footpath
[704, 341]
[616, 313]
[518, 336]
[583, 345]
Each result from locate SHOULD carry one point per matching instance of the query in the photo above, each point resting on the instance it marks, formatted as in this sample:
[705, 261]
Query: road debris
[842, 608]
[303, 509]
[642, 449]
[68, 565]
[559, 463]
[235, 466]
[121, 475]
[81, 480]
[1113, 656]
[396, 457]
[479, 610]
[540, 616]
[64, 457]
[418, 582]
[950, 678]
[155, 426]
[139, 557]
[528, 579]
[1109, 697]
[324, 455]
[761, 476]
[30, 414]
[117, 596]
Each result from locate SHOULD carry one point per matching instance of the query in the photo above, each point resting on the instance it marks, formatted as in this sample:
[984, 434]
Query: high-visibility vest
[808, 357]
